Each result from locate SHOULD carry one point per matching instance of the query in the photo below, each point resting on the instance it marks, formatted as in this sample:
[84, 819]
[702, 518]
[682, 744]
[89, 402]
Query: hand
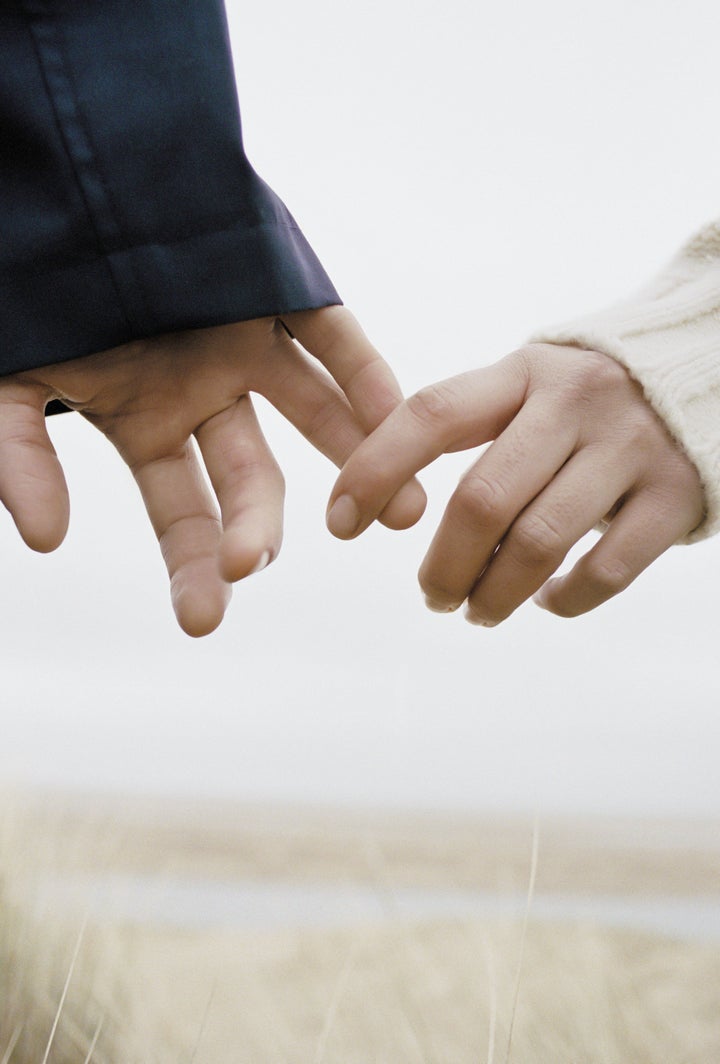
[576, 445]
[151, 397]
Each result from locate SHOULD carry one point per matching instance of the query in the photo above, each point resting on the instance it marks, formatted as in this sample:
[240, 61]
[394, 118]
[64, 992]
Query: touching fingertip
[540, 600]
[406, 507]
[262, 563]
[343, 517]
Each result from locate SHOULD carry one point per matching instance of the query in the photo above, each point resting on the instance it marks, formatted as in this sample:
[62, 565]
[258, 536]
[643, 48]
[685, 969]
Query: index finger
[335, 338]
[464, 411]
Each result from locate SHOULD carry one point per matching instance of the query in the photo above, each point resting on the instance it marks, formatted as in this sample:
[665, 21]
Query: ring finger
[639, 534]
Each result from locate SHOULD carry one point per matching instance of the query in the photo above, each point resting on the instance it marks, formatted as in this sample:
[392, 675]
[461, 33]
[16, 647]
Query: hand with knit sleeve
[611, 422]
[668, 338]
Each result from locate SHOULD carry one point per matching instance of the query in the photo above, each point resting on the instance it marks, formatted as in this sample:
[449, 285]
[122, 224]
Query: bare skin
[576, 445]
[155, 399]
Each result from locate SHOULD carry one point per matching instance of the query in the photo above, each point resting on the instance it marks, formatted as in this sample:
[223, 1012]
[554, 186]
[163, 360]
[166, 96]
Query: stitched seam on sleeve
[32, 266]
[48, 44]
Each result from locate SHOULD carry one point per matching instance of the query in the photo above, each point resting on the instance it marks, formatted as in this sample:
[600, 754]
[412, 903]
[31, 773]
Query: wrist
[668, 338]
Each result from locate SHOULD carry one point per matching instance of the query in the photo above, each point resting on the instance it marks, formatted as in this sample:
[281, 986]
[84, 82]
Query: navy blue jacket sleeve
[128, 207]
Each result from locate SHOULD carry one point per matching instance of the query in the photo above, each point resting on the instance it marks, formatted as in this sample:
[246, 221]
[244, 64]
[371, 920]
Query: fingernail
[343, 518]
[481, 622]
[440, 607]
[261, 563]
[539, 599]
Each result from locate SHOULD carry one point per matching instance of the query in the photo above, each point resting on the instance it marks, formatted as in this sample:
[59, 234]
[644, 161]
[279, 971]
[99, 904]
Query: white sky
[467, 172]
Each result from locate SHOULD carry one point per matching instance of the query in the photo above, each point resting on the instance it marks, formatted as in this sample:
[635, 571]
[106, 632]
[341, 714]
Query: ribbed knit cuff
[668, 338]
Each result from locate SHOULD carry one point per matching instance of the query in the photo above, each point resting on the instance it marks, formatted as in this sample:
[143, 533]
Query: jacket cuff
[668, 338]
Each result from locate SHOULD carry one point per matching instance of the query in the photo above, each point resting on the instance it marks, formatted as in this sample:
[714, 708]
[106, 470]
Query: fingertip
[197, 628]
[548, 598]
[37, 500]
[44, 532]
[478, 621]
[437, 606]
[406, 507]
[262, 563]
[200, 619]
[239, 558]
[200, 613]
[343, 518]
[43, 540]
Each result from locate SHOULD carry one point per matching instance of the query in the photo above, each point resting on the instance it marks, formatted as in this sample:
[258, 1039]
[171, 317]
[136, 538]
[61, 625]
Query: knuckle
[478, 501]
[24, 438]
[536, 541]
[674, 479]
[330, 424]
[583, 377]
[530, 356]
[596, 368]
[433, 405]
[595, 375]
[255, 476]
[579, 371]
[607, 577]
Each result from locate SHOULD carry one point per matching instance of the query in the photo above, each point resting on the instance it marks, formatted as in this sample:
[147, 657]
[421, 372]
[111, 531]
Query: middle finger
[310, 399]
[537, 542]
[511, 472]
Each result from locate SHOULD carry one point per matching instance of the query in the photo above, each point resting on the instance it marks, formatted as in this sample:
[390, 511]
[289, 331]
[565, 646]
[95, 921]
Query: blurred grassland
[389, 991]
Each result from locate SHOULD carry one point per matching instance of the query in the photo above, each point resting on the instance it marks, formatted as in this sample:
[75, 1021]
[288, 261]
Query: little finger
[640, 532]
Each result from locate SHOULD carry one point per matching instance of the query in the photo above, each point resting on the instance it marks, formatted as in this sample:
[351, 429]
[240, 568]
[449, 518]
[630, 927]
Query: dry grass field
[306, 981]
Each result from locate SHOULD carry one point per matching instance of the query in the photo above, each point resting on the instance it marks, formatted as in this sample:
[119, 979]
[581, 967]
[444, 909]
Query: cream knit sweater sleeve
[668, 338]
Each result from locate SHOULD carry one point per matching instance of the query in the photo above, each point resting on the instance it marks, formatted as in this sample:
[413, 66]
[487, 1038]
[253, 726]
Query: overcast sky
[467, 172]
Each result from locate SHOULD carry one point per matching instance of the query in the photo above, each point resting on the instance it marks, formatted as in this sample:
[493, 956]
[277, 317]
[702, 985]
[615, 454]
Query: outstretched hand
[576, 445]
[151, 397]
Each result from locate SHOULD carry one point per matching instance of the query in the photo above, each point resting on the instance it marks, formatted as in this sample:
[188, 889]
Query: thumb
[32, 483]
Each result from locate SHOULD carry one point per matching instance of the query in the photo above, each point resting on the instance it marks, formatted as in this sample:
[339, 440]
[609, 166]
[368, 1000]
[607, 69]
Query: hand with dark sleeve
[155, 399]
[151, 280]
[127, 203]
